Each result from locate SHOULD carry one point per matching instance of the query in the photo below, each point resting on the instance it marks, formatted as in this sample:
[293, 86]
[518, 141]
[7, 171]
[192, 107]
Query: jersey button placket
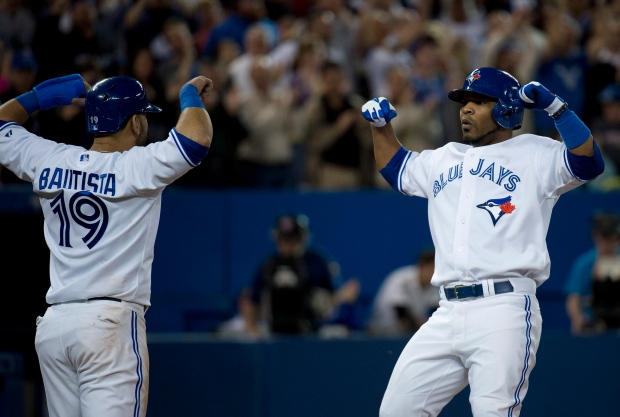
[463, 213]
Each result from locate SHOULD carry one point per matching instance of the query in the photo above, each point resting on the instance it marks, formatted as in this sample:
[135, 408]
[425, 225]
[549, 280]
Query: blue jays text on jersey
[501, 176]
[73, 179]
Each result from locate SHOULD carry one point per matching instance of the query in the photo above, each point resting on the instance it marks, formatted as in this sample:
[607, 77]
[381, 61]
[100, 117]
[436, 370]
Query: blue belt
[475, 290]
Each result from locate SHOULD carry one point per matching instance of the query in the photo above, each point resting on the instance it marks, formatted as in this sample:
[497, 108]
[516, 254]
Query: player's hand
[379, 111]
[536, 96]
[81, 101]
[203, 84]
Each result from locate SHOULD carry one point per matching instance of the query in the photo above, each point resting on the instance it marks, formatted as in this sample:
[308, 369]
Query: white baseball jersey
[482, 199]
[101, 210]
[402, 288]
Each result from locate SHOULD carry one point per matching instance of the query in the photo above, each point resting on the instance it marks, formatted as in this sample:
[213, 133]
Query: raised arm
[55, 92]
[194, 121]
[379, 112]
[584, 156]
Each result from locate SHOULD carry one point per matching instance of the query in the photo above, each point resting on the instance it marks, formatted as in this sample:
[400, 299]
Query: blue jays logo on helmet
[497, 208]
[498, 85]
[475, 75]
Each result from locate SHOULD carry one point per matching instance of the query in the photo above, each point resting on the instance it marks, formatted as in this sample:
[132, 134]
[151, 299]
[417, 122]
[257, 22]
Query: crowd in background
[291, 75]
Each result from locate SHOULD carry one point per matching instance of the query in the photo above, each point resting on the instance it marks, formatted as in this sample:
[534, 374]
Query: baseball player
[101, 210]
[489, 205]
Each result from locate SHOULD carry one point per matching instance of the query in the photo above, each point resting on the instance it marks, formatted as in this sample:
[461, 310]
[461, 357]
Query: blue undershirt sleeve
[193, 150]
[586, 168]
[392, 169]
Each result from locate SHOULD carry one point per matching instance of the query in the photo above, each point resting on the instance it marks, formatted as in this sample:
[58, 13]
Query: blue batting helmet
[112, 101]
[499, 85]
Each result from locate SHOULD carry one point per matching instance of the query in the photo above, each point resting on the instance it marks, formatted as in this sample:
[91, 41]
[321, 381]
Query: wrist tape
[189, 97]
[573, 131]
[29, 101]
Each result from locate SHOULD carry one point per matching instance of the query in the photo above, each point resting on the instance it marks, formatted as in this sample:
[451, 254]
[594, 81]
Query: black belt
[475, 290]
[105, 299]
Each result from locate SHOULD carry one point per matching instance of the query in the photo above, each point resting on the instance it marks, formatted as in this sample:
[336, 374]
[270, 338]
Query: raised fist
[378, 111]
[536, 96]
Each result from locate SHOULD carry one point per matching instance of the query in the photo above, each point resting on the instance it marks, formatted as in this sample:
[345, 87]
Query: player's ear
[134, 123]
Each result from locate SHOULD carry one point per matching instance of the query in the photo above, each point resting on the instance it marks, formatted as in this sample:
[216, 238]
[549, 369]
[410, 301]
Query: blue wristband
[189, 97]
[60, 91]
[29, 101]
[573, 131]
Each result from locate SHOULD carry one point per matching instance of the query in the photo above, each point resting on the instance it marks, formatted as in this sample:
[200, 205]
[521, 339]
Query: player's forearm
[194, 121]
[385, 144]
[586, 149]
[12, 111]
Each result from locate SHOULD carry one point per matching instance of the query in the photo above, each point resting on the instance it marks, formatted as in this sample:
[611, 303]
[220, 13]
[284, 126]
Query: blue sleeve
[580, 276]
[194, 152]
[586, 168]
[391, 171]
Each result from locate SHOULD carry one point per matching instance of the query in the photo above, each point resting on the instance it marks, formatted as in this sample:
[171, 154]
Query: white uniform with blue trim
[489, 209]
[101, 213]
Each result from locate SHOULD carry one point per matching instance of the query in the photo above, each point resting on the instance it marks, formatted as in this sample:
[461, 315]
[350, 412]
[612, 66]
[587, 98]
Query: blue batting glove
[536, 96]
[60, 91]
[379, 111]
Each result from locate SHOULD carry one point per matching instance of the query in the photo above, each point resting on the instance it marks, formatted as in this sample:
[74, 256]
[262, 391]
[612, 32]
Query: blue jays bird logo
[497, 208]
[473, 76]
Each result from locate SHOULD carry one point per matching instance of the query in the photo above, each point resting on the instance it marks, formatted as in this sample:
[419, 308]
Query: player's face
[477, 123]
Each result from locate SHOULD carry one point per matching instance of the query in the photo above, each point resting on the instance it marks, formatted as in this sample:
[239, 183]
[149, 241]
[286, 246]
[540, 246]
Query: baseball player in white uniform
[101, 210]
[489, 205]
[406, 298]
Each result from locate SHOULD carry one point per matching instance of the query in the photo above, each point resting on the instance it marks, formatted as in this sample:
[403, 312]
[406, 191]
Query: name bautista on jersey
[500, 176]
[73, 179]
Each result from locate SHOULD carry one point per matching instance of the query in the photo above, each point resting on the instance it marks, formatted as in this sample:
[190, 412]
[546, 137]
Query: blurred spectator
[143, 68]
[603, 51]
[20, 73]
[221, 169]
[562, 69]
[434, 73]
[418, 126]
[303, 81]
[86, 42]
[53, 24]
[17, 24]
[255, 44]
[341, 36]
[208, 14]
[240, 15]
[388, 40]
[593, 285]
[145, 19]
[175, 57]
[339, 146]
[266, 154]
[514, 45]
[297, 290]
[237, 326]
[406, 298]
[607, 125]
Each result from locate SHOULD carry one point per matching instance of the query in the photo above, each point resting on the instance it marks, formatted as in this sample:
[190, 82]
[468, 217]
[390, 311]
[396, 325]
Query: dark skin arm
[586, 149]
[385, 143]
[12, 111]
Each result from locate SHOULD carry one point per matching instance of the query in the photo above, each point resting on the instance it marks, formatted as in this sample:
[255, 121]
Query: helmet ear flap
[508, 115]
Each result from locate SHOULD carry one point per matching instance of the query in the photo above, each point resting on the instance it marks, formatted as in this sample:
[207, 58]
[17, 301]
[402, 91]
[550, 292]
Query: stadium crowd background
[290, 78]
[291, 75]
